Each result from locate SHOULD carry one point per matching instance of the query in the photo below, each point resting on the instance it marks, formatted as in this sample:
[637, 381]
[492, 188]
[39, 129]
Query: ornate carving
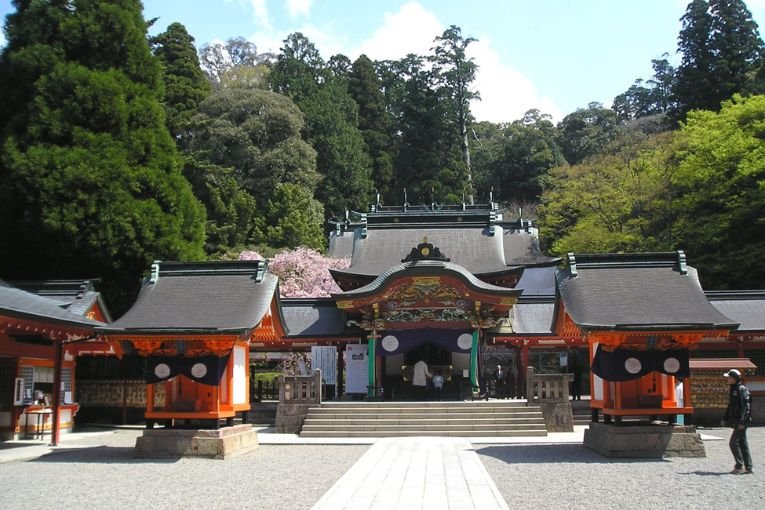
[425, 251]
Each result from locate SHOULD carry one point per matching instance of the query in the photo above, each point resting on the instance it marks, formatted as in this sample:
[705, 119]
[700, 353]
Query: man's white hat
[733, 373]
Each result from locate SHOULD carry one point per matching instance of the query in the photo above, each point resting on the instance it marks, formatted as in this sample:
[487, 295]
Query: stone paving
[415, 473]
[97, 470]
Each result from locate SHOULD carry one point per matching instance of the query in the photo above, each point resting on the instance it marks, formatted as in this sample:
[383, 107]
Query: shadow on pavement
[552, 453]
[706, 473]
[100, 455]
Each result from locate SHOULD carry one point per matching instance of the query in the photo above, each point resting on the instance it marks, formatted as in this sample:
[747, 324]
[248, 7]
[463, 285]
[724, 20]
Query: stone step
[472, 404]
[434, 416]
[384, 427]
[310, 420]
[425, 410]
[428, 433]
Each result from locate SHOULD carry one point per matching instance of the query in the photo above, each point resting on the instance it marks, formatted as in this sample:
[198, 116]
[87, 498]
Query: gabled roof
[474, 237]
[426, 268]
[313, 317]
[19, 303]
[636, 292]
[744, 306]
[77, 296]
[200, 297]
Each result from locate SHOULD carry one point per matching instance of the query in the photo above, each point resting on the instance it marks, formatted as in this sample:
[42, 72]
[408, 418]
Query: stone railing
[547, 387]
[550, 391]
[297, 394]
[300, 389]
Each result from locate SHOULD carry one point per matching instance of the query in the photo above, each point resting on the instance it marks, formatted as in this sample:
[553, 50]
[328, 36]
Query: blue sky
[555, 55]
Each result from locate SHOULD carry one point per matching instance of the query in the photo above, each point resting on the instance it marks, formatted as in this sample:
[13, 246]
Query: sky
[554, 55]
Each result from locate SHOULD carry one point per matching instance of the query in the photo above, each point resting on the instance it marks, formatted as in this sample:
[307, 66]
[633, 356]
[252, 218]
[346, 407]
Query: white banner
[357, 366]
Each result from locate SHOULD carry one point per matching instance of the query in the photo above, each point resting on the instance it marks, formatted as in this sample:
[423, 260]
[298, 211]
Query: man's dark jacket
[739, 411]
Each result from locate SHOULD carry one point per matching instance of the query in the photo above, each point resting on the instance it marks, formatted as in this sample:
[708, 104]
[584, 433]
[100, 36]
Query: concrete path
[415, 473]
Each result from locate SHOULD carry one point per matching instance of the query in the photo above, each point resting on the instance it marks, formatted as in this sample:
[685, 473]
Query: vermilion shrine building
[455, 286]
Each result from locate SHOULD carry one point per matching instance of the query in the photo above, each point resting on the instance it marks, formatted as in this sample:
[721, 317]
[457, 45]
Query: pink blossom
[302, 272]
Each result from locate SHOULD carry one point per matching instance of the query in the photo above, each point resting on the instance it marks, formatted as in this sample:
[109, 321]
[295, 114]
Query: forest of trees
[119, 148]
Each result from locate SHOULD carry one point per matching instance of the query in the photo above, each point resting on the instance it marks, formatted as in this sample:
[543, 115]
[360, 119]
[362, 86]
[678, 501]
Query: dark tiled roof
[313, 317]
[538, 281]
[19, 303]
[522, 249]
[471, 248]
[427, 268]
[77, 296]
[637, 291]
[744, 306]
[533, 316]
[201, 297]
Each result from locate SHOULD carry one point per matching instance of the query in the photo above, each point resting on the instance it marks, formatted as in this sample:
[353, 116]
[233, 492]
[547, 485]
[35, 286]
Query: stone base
[558, 416]
[212, 444]
[290, 417]
[644, 440]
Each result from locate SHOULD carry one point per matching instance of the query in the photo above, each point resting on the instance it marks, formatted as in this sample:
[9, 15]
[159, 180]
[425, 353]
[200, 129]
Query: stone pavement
[415, 473]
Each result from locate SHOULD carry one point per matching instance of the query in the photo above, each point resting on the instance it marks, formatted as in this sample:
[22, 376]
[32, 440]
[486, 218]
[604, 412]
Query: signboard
[324, 358]
[357, 366]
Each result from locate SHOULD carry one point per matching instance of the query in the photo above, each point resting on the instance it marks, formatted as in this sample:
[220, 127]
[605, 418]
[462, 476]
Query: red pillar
[54, 438]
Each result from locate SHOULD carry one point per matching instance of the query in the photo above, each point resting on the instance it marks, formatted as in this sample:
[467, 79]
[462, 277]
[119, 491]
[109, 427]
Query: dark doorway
[430, 354]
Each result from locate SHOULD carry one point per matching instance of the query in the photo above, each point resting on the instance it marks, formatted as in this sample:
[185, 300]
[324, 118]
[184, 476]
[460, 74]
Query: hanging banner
[203, 369]
[403, 341]
[626, 365]
[474, 362]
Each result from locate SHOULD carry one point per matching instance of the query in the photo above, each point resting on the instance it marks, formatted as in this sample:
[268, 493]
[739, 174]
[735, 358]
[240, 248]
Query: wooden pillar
[56, 430]
[371, 354]
[524, 361]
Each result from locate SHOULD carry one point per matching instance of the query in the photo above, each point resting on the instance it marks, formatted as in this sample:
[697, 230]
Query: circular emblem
[425, 251]
[199, 370]
[389, 343]
[465, 341]
[633, 365]
[671, 365]
[162, 371]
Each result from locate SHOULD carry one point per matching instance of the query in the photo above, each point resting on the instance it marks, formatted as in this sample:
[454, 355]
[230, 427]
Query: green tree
[722, 53]
[295, 218]
[718, 193]
[331, 117]
[244, 145]
[654, 96]
[588, 131]
[455, 73]
[365, 89]
[610, 202]
[235, 64]
[185, 83]
[90, 179]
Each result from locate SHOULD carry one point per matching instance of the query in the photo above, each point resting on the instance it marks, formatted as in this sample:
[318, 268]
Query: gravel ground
[571, 476]
[104, 477]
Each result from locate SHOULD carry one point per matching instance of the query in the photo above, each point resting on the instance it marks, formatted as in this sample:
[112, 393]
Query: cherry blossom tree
[302, 272]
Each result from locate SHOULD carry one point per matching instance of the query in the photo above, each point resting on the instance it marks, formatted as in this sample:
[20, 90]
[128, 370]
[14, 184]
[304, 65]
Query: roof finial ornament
[491, 197]
[425, 251]
[406, 202]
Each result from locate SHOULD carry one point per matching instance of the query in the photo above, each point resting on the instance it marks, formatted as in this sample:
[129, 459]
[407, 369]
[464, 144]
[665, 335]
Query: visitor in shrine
[420, 376]
[499, 382]
[576, 382]
[738, 416]
[438, 384]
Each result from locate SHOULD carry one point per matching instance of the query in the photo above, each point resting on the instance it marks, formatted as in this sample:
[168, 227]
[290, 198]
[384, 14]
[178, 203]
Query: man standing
[499, 382]
[738, 415]
[420, 375]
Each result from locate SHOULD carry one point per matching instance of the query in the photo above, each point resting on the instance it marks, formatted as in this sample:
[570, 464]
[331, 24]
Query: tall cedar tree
[331, 118]
[455, 73]
[365, 88]
[185, 84]
[90, 181]
[722, 52]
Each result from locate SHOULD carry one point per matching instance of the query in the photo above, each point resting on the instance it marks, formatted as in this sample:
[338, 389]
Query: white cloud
[506, 94]
[259, 11]
[299, 8]
[410, 30]
[325, 40]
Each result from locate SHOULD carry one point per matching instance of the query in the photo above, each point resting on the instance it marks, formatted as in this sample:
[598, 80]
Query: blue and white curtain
[626, 364]
[203, 369]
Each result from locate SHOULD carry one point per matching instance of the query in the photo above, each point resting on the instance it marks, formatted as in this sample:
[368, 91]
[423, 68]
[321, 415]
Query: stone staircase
[390, 419]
